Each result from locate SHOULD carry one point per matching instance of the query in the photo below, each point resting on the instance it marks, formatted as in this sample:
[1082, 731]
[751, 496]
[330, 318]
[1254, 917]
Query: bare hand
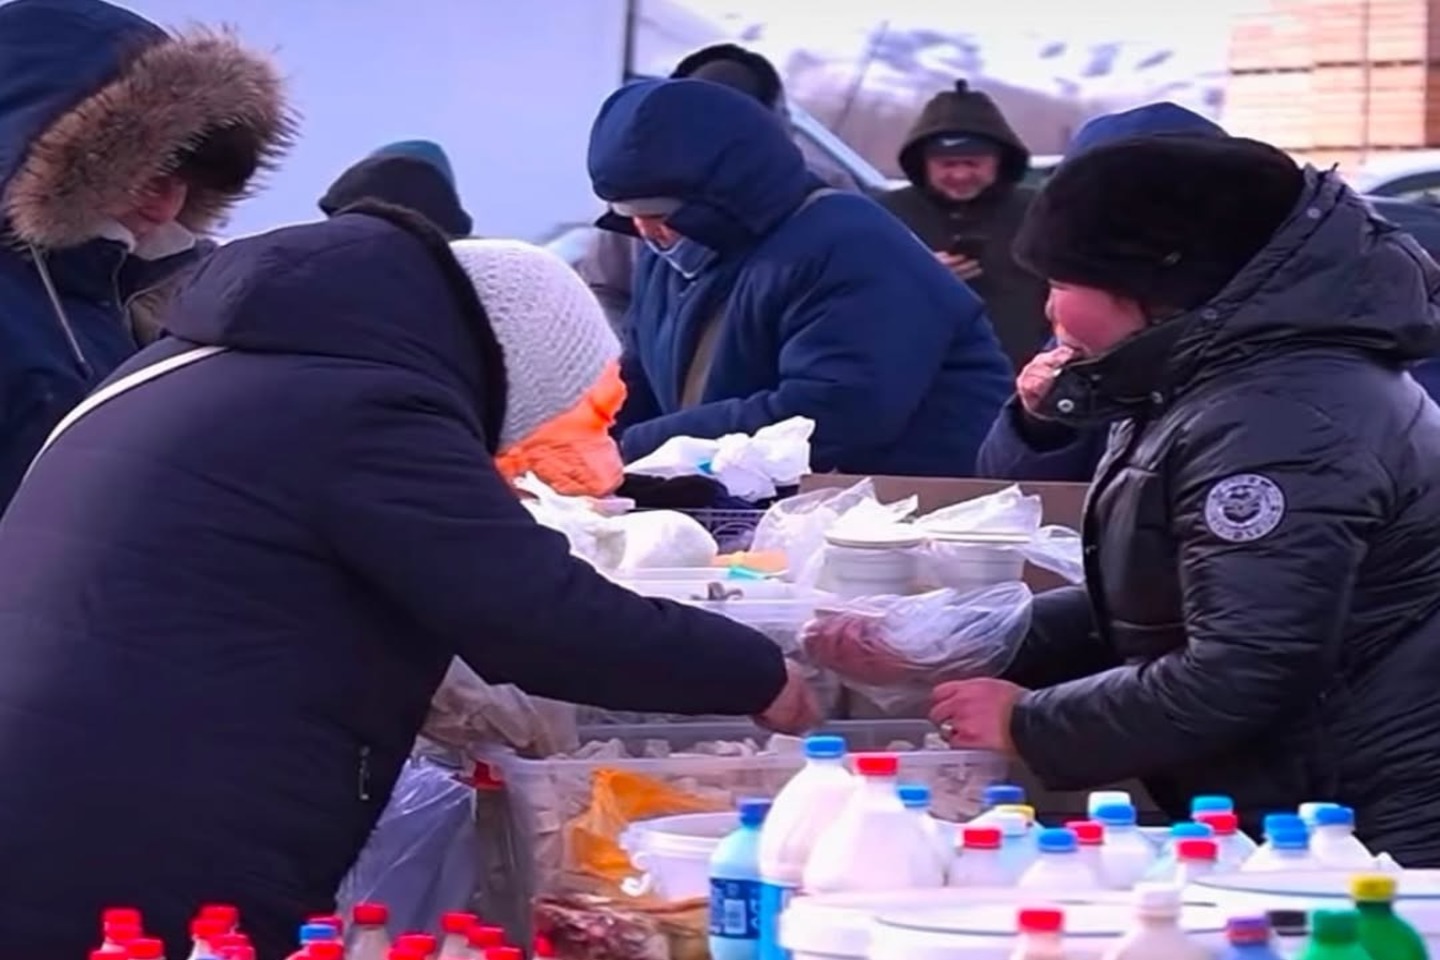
[1038, 377]
[962, 267]
[795, 710]
[854, 646]
[975, 714]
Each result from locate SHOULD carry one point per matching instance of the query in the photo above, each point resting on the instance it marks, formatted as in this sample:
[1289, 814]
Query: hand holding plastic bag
[895, 649]
[750, 467]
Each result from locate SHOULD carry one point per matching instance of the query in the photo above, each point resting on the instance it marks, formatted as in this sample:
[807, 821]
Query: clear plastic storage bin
[523, 826]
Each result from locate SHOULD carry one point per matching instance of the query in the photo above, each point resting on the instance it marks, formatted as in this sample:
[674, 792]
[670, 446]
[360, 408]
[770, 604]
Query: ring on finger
[947, 729]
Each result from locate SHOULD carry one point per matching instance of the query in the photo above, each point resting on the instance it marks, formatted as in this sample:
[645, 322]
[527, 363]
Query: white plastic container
[1333, 843]
[1090, 837]
[978, 861]
[1127, 854]
[1286, 847]
[875, 843]
[986, 931]
[1059, 869]
[1156, 933]
[1417, 897]
[972, 561]
[1018, 848]
[672, 854]
[368, 937]
[883, 562]
[808, 806]
[1194, 859]
[915, 797]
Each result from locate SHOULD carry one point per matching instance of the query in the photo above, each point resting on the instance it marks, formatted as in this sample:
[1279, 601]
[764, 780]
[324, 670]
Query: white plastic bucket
[840, 926]
[986, 931]
[1417, 896]
[874, 564]
[672, 854]
[973, 561]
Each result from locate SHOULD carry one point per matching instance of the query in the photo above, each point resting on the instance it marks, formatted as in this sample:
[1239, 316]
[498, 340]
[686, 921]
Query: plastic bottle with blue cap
[1059, 868]
[915, 797]
[735, 887]
[1018, 848]
[1286, 846]
[1127, 854]
[1333, 843]
[994, 799]
[807, 806]
[1165, 862]
[1210, 803]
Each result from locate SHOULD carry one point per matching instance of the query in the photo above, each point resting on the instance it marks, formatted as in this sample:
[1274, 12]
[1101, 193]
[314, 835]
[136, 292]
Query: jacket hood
[963, 112]
[374, 283]
[1152, 120]
[96, 101]
[720, 153]
[769, 89]
[1334, 274]
[416, 179]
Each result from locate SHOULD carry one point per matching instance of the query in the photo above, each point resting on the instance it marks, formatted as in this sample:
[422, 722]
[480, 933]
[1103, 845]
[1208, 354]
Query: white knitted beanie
[551, 329]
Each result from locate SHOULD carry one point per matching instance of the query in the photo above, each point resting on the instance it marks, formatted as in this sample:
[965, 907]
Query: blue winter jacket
[227, 596]
[832, 312]
[1020, 447]
[56, 56]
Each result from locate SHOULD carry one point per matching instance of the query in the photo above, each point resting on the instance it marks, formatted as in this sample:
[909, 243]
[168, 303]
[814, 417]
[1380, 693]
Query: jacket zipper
[76, 351]
[362, 785]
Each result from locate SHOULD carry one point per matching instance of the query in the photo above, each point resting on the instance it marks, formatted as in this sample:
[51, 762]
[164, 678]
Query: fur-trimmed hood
[96, 101]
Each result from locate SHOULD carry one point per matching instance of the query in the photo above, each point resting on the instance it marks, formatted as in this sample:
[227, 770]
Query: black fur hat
[1164, 221]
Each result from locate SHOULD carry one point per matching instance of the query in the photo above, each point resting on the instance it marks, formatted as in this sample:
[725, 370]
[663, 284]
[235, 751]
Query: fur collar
[170, 98]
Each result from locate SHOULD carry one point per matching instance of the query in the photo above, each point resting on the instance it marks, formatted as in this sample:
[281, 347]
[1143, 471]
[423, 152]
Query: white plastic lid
[838, 924]
[977, 536]
[1317, 884]
[1088, 918]
[1161, 898]
[893, 536]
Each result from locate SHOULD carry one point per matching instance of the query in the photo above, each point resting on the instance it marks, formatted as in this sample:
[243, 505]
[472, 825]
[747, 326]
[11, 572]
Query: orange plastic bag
[619, 798]
[573, 454]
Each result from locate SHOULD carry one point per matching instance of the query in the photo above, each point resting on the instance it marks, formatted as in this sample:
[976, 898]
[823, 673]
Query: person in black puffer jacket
[1261, 615]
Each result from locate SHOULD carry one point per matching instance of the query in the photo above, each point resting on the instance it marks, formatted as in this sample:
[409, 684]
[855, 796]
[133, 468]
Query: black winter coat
[1262, 546]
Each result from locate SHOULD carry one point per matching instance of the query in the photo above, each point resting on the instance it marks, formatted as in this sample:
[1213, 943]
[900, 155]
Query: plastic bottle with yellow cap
[1383, 934]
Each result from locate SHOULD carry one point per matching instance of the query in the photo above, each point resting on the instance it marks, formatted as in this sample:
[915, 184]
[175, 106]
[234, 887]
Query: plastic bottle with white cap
[1059, 869]
[875, 843]
[1156, 934]
[1126, 855]
[979, 862]
[1041, 934]
[1286, 846]
[915, 797]
[1333, 843]
[809, 804]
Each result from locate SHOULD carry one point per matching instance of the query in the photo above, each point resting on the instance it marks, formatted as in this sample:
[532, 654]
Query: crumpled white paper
[750, 467]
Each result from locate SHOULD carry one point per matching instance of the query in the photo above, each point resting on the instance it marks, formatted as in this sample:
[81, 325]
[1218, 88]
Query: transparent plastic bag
[894, 650]
[1005, 522]
[422, 857]
[797, 526]
[466, 711]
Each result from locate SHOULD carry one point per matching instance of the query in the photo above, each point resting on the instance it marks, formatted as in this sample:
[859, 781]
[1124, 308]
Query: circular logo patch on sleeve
[1244, 507]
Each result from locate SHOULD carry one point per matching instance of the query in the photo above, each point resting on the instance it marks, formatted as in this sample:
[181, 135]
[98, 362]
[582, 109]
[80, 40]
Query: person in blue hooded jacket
[120, 144]
[763, 295]
[414, 174]
[1022, 445]
[229, 592]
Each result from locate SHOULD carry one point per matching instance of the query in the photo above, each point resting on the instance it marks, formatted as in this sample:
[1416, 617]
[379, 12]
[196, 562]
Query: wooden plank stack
[1337, 81]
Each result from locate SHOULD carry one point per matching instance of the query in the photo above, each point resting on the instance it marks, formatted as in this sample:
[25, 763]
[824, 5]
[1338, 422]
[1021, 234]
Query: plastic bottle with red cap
[1090, 838]
[226, 913]
[979, 861]
[455, 926]
[324, 950]
[118, 934]
[875, 843]
[1041, 932]
[1235, 846]
[1194, 858]
[369, 940]
[504, 953]
[422, 943]
[544, 949]
[145, 948]
[482, 937]
[205, 933]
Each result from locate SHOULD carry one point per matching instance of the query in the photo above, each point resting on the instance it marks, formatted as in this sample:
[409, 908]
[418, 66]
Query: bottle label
[774, 899]
[735, 909]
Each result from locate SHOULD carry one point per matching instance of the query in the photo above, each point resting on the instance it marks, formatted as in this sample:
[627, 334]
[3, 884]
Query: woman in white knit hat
[233, 582]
